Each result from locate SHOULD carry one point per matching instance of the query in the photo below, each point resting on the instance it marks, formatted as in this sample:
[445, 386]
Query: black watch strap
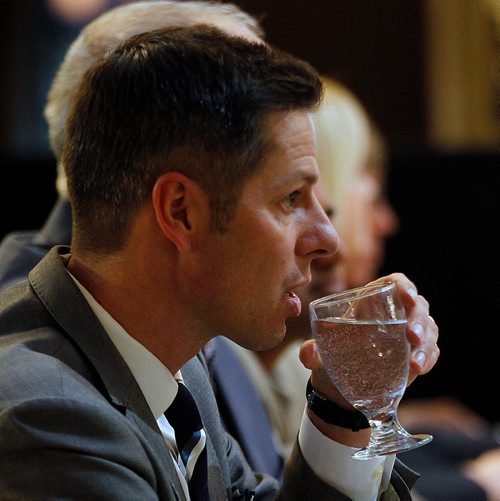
[332, 413]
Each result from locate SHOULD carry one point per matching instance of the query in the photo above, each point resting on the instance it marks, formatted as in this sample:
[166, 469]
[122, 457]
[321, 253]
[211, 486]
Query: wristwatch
[332, 413]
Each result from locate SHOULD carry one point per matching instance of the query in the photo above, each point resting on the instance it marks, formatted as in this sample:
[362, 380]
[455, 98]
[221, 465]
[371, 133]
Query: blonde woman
[352, 159]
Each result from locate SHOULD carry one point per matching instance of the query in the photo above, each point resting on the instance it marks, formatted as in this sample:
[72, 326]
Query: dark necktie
[185, 419]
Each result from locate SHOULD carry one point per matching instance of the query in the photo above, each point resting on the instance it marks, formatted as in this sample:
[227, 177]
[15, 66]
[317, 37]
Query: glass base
[410, 442]
[389, 437]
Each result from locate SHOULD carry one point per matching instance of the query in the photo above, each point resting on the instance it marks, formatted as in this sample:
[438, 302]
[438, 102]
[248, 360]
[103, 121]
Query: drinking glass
[361, 337]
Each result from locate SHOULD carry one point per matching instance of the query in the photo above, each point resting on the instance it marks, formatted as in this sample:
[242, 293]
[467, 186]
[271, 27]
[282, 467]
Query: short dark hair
[191, 100]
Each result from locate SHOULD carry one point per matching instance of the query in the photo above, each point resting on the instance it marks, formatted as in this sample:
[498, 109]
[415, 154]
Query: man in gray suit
[190, 160]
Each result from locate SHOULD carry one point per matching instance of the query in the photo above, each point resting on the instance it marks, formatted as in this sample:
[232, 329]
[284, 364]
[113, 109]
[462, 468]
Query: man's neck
[139, 305]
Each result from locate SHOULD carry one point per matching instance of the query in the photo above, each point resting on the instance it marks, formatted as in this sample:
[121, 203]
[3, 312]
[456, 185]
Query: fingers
[310, 358]
[423, 332]
[406, 288]
[309, 355]
[415, 304]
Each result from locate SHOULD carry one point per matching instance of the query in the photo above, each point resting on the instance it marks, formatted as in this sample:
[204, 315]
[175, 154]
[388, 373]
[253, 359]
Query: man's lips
[292, 297]
[295, 302]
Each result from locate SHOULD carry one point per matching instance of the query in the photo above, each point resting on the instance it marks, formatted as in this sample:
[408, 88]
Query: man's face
[327, 277]
[253, 271]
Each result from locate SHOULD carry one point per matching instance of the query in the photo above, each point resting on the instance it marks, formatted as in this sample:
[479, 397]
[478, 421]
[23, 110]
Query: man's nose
[325, 241]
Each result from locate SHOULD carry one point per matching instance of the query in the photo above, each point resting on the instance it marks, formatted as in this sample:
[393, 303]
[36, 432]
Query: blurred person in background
[463, 460]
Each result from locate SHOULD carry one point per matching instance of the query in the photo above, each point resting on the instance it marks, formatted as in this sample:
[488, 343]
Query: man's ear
[176, 200]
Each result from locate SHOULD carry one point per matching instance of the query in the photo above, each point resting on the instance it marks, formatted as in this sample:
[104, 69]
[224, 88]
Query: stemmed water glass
[361, 337]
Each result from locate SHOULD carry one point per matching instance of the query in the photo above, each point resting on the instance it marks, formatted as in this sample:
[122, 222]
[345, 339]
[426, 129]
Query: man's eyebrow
[308, 178]
[298, 176]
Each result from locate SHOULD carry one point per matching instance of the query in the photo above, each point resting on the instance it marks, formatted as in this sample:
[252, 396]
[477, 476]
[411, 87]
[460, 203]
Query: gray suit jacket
[74, 423]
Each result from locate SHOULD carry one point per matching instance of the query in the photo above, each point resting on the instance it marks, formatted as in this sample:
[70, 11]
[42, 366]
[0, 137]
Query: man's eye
[290, 200]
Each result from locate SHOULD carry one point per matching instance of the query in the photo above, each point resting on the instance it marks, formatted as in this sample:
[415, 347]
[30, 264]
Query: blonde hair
[114, 27]
[344, 137]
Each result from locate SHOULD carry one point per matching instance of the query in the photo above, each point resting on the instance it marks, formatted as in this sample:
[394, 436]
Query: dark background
[447, 201]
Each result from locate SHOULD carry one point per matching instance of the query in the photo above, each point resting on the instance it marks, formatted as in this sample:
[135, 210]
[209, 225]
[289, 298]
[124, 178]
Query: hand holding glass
[361, 337]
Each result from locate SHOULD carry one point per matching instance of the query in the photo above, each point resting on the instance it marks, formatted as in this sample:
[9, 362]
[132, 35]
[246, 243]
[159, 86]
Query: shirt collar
[157, 383]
